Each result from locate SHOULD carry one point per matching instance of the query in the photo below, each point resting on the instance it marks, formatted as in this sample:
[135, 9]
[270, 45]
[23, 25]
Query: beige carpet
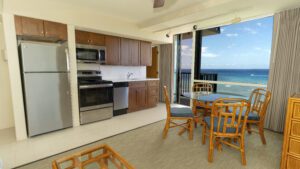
[144, 148]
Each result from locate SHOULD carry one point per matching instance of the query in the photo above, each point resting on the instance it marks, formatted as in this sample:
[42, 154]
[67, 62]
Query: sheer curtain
[284, 76]
[165, 69]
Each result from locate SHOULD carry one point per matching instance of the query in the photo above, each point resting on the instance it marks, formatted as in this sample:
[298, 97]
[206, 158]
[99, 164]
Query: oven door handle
[95, 86]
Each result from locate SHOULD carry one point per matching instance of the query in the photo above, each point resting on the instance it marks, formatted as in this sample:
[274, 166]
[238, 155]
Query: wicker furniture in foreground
[99, 157]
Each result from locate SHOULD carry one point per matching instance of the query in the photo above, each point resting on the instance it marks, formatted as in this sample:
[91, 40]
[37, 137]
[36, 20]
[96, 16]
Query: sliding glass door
[234, 58]
[182, 66]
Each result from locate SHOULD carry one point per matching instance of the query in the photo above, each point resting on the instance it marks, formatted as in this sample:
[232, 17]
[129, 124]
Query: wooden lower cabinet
[291, 145]
[137, 96]
[142, 95]
[153, 87]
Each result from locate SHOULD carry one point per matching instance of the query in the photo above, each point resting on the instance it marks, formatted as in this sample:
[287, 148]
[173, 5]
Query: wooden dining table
[205, 100]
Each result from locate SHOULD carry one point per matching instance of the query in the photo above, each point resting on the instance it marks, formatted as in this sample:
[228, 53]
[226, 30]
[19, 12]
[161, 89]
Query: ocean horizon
[254, 76]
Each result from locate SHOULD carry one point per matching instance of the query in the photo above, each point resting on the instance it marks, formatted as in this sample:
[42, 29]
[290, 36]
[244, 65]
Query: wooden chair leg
[211, 148]
[191, 129]
[166, 129]
[262, 135]
[181, 131]
[196, 121]
[242, 149]
[218, 144]
[203, 133]
[249, 128]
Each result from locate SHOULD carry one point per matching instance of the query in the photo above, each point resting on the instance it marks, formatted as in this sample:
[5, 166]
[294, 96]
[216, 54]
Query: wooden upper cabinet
[125, 52]
[89, 38]
[97, 39]
[31, 26]
[36, 29]
[18, 24]
[55, 30]
[82, 37]
[134, 47]
[130, 52]
[145, 53]
[112, 50]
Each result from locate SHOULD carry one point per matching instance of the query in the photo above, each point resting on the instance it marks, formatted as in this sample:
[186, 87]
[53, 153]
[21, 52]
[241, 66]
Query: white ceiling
[180, 13]
[134, 10]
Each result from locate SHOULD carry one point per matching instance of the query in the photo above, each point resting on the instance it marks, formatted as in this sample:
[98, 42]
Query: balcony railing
[185, 80]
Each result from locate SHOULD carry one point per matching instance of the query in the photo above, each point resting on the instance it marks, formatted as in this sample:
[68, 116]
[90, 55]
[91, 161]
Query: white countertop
[132, 80]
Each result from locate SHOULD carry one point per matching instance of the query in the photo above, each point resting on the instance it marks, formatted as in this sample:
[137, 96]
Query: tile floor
[15, 153]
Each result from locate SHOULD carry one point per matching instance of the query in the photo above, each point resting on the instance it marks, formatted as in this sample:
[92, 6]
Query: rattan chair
[202, 107]
[178, 113]
[225, 124]
[259, 99]
[202, 87]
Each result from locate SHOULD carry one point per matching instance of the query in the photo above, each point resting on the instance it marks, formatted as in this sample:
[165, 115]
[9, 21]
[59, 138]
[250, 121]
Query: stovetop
[91, 77]
[91, 82]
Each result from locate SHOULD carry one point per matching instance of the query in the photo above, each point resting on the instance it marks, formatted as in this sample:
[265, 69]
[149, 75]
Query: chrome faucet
[129, 75]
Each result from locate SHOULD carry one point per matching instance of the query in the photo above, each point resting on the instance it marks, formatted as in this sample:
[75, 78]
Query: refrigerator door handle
[68, 59]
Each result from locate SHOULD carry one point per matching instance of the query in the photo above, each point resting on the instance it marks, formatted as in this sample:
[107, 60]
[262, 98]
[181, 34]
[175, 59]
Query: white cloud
[207, 54]
[232, 34]
[268, 51]
[184, 47]
[259, 24]
[250, 30]
[231, 45]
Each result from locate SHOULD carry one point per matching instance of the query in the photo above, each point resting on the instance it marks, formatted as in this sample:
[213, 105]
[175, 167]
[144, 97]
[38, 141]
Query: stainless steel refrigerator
[46, 88]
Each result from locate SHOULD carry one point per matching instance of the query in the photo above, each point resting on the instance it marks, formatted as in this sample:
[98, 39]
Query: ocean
[256, 76]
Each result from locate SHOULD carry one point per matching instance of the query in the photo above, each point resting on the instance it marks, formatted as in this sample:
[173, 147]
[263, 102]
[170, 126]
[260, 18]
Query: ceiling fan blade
[158, 3]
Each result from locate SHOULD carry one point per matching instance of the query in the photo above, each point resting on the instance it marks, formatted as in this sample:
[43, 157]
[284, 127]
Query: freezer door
[48, 102]
[43, 57]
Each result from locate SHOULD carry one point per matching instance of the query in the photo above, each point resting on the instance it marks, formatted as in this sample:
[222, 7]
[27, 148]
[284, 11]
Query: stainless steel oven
[95, 97]
[90, 54]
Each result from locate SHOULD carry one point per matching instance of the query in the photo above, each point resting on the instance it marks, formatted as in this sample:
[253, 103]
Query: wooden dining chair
[259, 99]
[202, 107]
[202, 87]
[225, 124]
[178, 113]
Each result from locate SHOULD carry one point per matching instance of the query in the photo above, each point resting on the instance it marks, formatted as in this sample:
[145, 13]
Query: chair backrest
[260, 99]
[202, 87]
[167, 100]
[229, 116]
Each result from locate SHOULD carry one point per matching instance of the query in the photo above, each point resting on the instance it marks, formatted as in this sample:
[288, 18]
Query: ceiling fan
[158, 3]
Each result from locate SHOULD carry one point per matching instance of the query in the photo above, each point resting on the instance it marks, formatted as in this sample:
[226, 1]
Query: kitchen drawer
[152, 91]
[292, 163]
[137, 84]
[296, 112]
[295, 128]
[153, 83]
[294, 146]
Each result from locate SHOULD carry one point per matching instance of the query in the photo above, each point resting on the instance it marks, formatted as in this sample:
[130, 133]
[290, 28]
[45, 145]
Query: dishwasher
[120, 98]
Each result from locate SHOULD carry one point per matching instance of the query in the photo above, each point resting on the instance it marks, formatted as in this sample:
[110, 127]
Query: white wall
[6, 114]
[115, 72]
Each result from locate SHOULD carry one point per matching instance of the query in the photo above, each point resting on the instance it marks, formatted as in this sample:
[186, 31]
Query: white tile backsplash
[115, 72]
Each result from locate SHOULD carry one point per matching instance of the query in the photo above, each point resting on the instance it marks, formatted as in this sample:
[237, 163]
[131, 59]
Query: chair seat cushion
[251, 116]
[216, 120]
[181, 111]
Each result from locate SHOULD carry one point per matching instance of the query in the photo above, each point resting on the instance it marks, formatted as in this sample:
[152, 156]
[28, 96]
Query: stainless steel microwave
[90, 54]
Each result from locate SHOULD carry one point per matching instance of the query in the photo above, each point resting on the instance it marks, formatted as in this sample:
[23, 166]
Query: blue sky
[245, 45]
